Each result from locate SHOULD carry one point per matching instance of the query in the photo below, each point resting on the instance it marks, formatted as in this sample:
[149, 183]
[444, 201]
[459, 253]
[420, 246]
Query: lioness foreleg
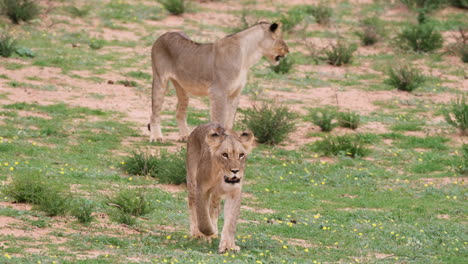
[218, 106]
[181, 112]
[231, 214]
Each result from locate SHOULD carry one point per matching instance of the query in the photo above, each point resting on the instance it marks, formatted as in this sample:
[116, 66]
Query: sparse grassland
[81, 184]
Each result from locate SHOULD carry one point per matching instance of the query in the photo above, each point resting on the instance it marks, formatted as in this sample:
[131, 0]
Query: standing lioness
[218, 70]
[215, 169]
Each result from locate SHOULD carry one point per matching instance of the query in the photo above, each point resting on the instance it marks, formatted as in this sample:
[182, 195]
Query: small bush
[420, 38]
[462, 163]
[340, 53]
[404, 78]
[322, 13]
[82, 209]
[34, 189]
[349, 119]
[175, 7]
[456, 114]
[20, 10]
[371, 31]
[96, 44]
[293, 17]
[324, 117]
[460, 47]
[459, 3]
[284, 66]
[347, 145]
[8, 45]
[424, 4]
[269, 123]
[128, 204]
[167, 167]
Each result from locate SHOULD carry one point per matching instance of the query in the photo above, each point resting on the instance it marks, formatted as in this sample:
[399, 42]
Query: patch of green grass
[175, 7]
[404, 77]
[323, 118]
[349, 119]
[124, 11]
[269, 123]
[321, 12]
[78, 12]
[456, 114]
[20, 10]
[82, 210]
[8, 45]
[420, 38]
[353, 145]
[340, 53]
[128, 204]
[139, 75]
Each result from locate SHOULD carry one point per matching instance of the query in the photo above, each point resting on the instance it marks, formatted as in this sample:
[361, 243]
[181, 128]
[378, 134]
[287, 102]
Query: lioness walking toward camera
[218, 70]
[215, 169]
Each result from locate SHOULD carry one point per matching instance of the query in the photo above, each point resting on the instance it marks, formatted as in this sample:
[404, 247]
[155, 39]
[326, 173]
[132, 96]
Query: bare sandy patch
[17, 206]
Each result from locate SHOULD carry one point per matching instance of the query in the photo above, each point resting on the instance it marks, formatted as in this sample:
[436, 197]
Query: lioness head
[273, 45]
[229, 152]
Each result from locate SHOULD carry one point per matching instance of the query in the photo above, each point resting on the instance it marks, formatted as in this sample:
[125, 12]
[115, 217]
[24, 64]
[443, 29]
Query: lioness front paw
[225, 246]
[183, 138]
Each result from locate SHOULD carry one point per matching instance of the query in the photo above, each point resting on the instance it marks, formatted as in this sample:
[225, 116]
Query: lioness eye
[241, 155]
[225, 155]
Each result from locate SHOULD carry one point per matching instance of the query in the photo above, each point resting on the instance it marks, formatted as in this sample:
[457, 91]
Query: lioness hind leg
[158, 92]
[181, 112]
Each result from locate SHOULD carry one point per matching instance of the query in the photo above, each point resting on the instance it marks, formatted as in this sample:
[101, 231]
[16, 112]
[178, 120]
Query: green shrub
[340, 53]
[20, 10]
[459, 3]
[371, 31]
[404, 78]
[96, 43]
[462, 162]
[322, 13]
[456, 114]
[324, 117]
[290, 19]
[269, 123]
[424, 4]
[82, 209]
[349, 119]
[348, 145]
[128, 204]
[420, 38]
[284, 66]
[37, 190]
[8, 45]
[167, 167]
[175, 7]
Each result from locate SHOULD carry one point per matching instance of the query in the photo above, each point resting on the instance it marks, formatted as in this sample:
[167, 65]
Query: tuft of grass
[78, 12]
[37, 190]
[420, 38]
[290, 19]
[284, 66]
[404, 77]
[8, 45]
[424, 4]
[128, 204]
[96, 44]
[175, 7]
[269, 123]
[456, 114]
[167, 167]
[324, 117]
[82, 209]
[20, 10]
[462, 166]
[460, 47]
[353, 145]
[349, 119]
[322, 13]
[340, 53]
[459, 3]
[128, 83]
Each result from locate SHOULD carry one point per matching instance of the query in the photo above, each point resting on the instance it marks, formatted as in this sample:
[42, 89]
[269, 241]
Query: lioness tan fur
[215, 170]
[218, 70]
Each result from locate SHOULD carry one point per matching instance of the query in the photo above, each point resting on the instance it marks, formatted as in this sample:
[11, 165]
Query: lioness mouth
[277, 58]
[232, 180]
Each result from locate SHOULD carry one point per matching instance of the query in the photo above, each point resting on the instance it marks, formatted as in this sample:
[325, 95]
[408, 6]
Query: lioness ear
[275, 28]
[214, 137]
[247, 140]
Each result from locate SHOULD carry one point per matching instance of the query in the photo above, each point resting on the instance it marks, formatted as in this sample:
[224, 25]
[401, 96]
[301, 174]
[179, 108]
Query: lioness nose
[234, 171]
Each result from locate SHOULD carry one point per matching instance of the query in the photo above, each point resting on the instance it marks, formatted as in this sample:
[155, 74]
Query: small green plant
[8, 45]
[456, 114]
[284, 66]
[349, 119]
[322, 13]
[404, 77]
[269, 123]
[424, 4]
[167, 167]
[96, 44]
[82, 209]
[460, 47]
[128, 83]
[293, 17]
[53, 202]
[175, 7]
[78, 12]
[354, 145]
[128, 204]
[462, 163]
[20, 10]
[324, 117]
[371, 31]
[340, 53]
[459, 3]
[420, 38]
